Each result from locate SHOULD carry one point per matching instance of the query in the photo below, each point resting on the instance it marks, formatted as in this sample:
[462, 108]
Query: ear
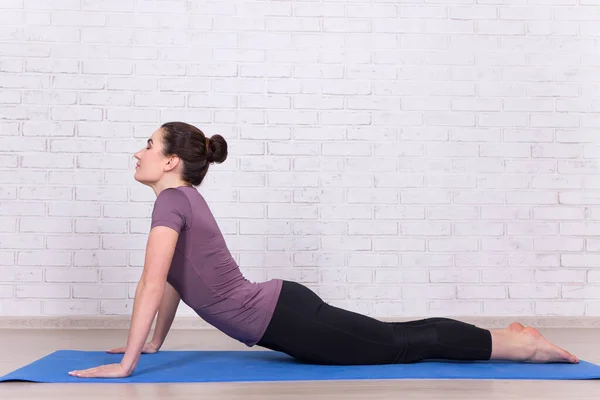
[172, 163]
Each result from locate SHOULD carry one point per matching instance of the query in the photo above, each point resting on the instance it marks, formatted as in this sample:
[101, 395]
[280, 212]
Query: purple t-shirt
[205, 274]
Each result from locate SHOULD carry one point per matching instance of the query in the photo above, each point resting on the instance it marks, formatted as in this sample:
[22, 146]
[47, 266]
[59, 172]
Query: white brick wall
[402, 158]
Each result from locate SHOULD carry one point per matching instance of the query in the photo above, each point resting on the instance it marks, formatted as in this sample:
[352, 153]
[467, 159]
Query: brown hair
[193, 147]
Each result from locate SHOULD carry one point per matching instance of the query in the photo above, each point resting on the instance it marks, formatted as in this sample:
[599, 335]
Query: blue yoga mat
[239, 366]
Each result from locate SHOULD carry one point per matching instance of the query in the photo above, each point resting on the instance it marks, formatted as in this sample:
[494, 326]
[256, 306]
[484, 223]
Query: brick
[533, 291]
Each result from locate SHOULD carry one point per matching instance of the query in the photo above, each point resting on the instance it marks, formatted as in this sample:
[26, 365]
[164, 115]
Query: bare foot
[515, 327]
[545, 351]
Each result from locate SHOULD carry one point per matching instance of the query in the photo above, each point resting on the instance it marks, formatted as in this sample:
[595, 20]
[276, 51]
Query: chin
[144, 182]
[139, 179]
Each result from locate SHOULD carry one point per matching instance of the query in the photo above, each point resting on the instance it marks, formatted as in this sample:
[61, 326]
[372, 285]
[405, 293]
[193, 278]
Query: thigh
[311, 330]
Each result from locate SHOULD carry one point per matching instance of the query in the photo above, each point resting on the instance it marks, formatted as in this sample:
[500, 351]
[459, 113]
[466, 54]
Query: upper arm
[170, 216]
[159, 254]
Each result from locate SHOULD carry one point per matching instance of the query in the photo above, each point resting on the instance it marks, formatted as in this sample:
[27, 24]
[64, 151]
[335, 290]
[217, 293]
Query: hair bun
[216, 149]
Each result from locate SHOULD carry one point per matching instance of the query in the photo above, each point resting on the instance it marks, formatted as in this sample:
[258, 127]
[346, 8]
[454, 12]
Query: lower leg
[442, 338]
[517, 343]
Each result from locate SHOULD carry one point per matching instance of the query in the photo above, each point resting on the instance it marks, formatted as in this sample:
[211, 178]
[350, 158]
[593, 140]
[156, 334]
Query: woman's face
[151, 161]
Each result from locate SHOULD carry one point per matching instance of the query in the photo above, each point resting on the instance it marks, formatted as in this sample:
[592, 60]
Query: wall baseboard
[196, 323]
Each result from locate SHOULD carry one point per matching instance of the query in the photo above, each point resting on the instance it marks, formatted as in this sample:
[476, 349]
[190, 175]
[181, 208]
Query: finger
[84, 372]
[117, 350]
[87, 373]
[76, 373]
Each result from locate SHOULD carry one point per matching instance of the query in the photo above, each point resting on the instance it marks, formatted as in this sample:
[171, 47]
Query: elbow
[153, 286]
[150, 293]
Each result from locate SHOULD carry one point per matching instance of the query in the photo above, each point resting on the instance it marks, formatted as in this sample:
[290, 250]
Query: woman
[187, 259]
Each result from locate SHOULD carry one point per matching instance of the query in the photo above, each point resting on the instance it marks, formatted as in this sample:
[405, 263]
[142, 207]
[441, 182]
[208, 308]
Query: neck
[158, 187]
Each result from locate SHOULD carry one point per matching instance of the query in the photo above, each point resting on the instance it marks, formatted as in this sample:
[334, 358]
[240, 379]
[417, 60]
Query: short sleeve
[171, 209]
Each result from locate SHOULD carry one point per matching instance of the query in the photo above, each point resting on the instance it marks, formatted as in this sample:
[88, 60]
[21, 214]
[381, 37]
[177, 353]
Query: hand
[103, 371]
[149, 348]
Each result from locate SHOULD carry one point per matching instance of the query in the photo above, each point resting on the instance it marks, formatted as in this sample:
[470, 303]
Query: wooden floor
[19, 347]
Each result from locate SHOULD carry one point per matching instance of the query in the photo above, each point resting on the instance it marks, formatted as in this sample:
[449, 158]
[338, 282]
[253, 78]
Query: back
[205, 274]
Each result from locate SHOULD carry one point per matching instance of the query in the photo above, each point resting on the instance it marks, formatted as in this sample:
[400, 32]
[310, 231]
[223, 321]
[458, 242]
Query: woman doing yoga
[187, 259]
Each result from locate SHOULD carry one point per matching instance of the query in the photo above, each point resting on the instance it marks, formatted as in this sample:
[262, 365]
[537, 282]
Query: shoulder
[172, 198]
[172, 205]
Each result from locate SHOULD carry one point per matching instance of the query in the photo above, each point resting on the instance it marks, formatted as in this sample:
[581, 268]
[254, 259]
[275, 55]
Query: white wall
[402, 158]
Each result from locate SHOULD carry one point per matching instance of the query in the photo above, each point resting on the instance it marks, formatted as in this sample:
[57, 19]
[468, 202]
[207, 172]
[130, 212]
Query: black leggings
[308, 329]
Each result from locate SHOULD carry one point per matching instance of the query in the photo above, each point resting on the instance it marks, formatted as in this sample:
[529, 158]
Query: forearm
[166, 314]
[146, 304]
